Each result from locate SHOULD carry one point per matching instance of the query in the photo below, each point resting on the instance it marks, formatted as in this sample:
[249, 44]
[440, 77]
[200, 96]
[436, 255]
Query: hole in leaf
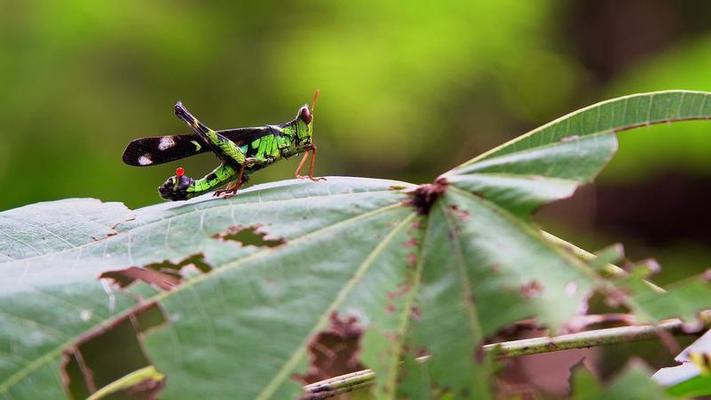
[165, 275]
[250, 236]
[110, 352]
[334, 351]
[124, 277]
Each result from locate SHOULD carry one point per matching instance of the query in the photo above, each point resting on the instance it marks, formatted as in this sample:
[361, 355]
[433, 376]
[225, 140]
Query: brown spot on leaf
[411, 243]
[334, 351]
[415, 313]
[401, 290]
[458, 212]
[109, 352]
[397, 187]
[411, 259]
[532, 289]
[479, 353]
[252, 235]
[423, 197]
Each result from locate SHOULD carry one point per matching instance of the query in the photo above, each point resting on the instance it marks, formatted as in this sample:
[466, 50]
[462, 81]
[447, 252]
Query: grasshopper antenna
[312, 105]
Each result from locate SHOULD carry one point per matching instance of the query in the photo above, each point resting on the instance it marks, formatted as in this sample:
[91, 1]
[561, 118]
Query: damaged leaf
[164, 275]
[334, 351]
[89, 365]
[53, 297]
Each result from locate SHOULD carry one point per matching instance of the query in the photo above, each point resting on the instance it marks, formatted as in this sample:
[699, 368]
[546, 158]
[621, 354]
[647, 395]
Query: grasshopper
[242, 151]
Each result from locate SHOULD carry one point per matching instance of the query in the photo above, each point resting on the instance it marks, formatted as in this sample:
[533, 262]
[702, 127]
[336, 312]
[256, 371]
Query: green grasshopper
[242, 151]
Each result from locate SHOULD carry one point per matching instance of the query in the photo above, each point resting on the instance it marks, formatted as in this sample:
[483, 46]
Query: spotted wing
[153, 150]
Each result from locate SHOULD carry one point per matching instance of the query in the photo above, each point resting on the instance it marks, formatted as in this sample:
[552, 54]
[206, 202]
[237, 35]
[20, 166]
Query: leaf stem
[611, 270]
[515, 348]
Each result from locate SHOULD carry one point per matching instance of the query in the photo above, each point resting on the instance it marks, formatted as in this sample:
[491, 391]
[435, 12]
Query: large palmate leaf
[235, 298]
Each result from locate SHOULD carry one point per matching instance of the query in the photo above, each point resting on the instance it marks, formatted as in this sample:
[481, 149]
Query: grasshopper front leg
[311, 149]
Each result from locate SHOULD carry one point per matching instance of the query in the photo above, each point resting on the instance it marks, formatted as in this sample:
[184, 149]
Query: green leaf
[684, 299]
[236, 297]
[523, 180]
[632, 383]
[616, 115]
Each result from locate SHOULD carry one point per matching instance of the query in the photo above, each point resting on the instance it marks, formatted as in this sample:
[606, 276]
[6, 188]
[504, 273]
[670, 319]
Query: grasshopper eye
[305, 115]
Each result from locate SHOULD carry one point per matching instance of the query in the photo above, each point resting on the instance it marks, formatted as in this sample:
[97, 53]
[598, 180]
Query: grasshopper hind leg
[232, 187]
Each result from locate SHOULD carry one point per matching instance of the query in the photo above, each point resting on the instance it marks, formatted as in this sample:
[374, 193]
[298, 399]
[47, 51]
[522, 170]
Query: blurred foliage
[408, 89]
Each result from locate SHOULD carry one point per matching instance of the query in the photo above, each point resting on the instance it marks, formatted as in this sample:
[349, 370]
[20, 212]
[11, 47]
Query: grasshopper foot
[312, 178]
[227, 192]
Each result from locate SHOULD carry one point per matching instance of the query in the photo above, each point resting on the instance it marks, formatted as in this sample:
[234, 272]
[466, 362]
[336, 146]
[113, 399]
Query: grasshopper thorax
[304, 125]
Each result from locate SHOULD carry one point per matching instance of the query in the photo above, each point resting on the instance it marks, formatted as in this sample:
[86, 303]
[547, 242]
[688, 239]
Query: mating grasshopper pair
[242, 151]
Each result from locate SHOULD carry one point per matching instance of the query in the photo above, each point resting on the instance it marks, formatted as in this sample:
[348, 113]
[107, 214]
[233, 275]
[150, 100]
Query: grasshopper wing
[153, 150]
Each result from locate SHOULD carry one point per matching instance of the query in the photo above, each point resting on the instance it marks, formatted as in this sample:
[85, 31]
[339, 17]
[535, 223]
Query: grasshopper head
[176, 187]
[305, 120]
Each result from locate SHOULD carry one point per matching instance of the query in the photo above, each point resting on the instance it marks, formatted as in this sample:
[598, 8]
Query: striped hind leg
[226, 149]
[233, 186]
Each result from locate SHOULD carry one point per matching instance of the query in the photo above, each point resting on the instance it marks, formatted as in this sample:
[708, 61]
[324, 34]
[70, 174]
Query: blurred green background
[409, 89]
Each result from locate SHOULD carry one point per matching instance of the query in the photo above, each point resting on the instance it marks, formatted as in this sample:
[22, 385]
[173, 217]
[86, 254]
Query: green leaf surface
[401, 270]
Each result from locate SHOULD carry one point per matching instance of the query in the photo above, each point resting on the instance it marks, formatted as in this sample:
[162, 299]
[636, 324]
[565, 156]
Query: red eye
[305, 115]
[179, 171]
